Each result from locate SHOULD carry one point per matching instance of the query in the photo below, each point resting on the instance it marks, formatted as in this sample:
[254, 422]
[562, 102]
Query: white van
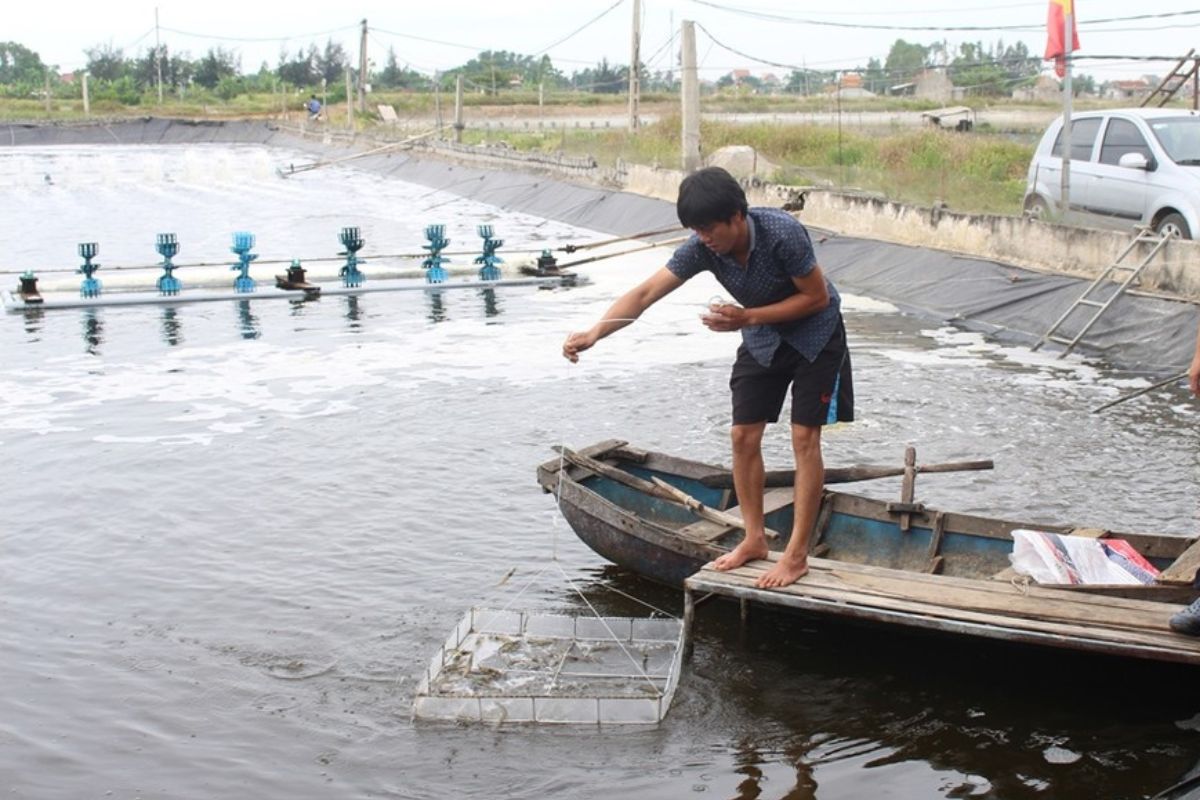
[1129, 166]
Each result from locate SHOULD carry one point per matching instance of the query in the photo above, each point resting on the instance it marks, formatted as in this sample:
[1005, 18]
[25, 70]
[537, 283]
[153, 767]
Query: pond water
[234, 534]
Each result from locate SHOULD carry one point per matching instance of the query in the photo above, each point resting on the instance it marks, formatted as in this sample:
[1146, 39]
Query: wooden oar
[655, 488]
[706, 512]
[862, 472]
[614, 473]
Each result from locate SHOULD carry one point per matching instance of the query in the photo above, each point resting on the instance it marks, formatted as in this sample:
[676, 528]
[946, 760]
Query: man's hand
[575, 344]
[726, 317]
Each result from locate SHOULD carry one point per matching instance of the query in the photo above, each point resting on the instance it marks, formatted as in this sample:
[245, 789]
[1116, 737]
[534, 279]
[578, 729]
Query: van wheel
[1036, 208]
[1173, 225]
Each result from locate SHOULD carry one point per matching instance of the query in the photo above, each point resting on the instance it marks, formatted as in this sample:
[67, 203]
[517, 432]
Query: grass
[970, 172]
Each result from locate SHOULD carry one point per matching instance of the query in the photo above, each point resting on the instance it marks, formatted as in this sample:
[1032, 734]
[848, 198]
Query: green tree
[301, 70]
[332, 63]
[106, 63]
[874, 78]
[215, 65]
[993, 70]
[393, 76]
[19, 64]
[905, 61]
[176, 70]
[603, 79]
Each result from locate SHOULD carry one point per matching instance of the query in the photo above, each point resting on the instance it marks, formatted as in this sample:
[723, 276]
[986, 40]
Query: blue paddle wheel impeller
[167, 246]
[435, 272]
[89, 287]
[243, 243]
[489, 271]
[352, 240]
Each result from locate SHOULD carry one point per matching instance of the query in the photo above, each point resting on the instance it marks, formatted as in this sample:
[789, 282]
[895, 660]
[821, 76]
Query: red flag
[1055, 48]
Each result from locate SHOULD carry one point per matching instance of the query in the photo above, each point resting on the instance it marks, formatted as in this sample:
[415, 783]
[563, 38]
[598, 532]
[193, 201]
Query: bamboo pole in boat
[861, 472]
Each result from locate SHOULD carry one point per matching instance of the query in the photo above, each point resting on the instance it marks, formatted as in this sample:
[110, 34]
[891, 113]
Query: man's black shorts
[822, 390]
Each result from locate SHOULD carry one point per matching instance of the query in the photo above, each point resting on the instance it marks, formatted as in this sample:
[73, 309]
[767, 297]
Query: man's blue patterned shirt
[780, 249]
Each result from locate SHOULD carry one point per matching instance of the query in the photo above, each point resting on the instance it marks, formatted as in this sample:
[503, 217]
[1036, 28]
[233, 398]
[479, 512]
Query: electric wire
[578, 30]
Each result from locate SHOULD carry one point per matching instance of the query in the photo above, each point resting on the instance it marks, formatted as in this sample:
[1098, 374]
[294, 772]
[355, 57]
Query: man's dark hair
[709, 195]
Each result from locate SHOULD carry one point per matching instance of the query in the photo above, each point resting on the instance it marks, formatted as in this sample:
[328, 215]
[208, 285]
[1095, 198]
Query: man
[1188, 620]
[314, 108]
[792, 335]
[1194, 370]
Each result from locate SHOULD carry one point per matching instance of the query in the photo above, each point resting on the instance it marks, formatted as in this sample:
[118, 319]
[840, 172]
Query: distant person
[790, 320]
[314, 108]
[1194, 370]
[1188, 620]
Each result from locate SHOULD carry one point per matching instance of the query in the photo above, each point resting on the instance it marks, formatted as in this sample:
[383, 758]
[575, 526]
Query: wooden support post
[689, 621]
[935, 543]
[908, 488]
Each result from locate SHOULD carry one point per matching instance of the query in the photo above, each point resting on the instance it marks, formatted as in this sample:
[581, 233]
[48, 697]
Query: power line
[949, 28]
[426, 39]
[258, 39]
[587, 24]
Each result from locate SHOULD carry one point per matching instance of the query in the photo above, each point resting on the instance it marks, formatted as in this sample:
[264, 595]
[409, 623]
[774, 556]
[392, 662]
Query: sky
[762, 36]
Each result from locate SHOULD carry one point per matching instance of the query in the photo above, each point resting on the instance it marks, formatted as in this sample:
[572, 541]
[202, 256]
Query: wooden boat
[898, 563]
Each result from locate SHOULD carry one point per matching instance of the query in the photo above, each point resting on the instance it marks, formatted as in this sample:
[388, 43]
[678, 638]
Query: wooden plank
[994, 597]
[1089, 533]
[1184, 568]
[822, 584]
[1165, 647]
[710, 530]
[722, 517]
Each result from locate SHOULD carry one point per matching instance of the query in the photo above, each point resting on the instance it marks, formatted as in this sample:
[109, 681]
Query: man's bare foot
[748, 550]
[784, 573]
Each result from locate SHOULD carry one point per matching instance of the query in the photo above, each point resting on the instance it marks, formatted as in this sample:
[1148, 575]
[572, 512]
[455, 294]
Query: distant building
[1135, 89]
[739, 76]
[1044, 90]
[849, 85]
[934, 84]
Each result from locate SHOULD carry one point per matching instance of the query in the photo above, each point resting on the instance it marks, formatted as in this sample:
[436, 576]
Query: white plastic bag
[1052, 558]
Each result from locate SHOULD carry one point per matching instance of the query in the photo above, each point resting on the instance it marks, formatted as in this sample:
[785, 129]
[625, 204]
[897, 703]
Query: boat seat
[708, 531]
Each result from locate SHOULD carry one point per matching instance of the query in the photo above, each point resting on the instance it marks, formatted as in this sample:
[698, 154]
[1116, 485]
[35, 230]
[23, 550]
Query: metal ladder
[1144, 235]
[1176, 80]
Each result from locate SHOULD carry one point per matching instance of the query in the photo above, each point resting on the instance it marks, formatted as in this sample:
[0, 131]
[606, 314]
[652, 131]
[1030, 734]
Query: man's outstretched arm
[625, 310]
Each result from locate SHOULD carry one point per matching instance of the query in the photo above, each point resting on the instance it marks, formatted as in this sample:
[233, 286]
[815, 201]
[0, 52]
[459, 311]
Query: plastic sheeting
[1153, 334]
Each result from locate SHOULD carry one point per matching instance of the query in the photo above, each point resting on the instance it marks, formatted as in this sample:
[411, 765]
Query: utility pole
[690, 98]
[458, 109]
[634, 59]
[158, 56]
[437, 101]
[349, 104]
[87, 105]
[1068, 46]
[362, 70]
